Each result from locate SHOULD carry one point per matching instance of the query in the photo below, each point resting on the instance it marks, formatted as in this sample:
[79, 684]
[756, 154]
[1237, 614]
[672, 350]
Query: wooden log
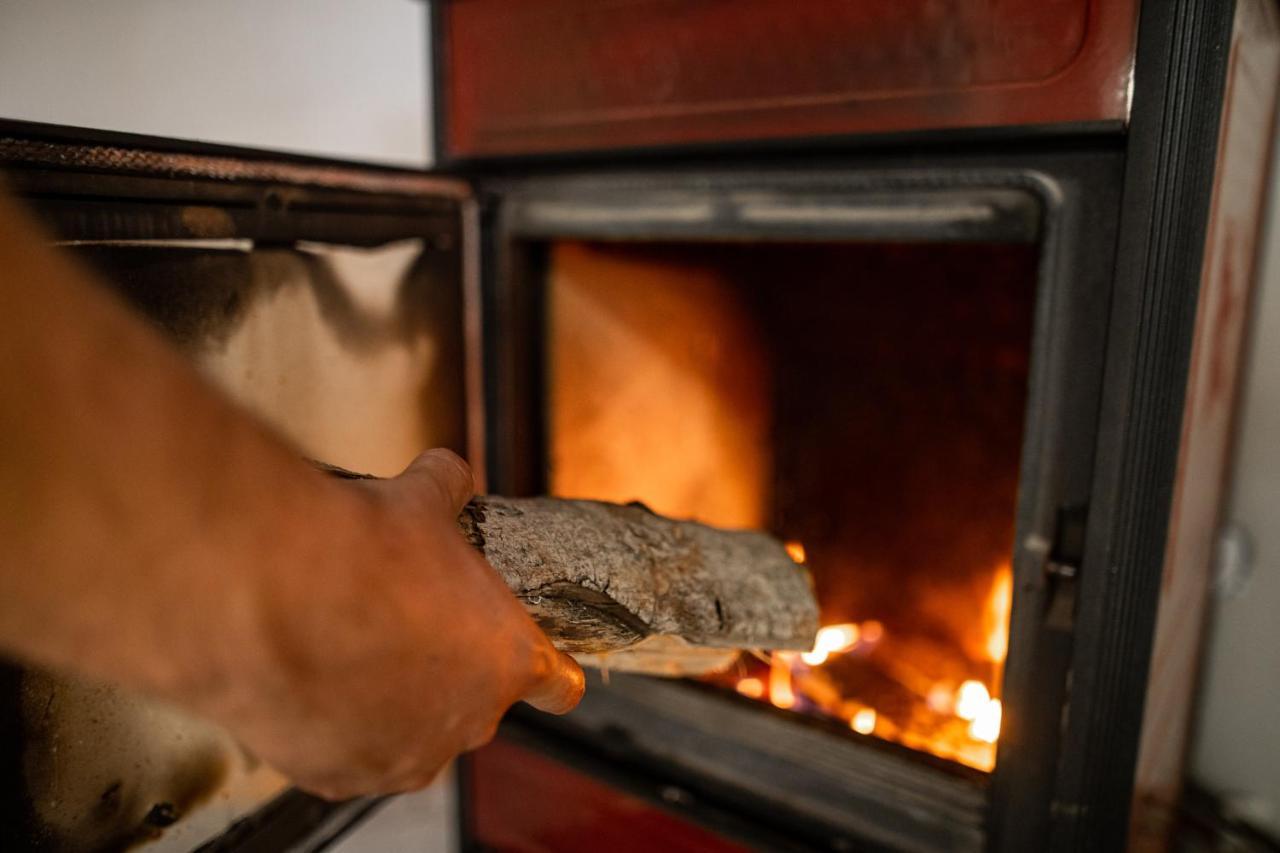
[620, 586]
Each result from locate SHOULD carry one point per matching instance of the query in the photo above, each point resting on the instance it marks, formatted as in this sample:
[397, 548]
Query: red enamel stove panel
[523, 802]
[540, 76]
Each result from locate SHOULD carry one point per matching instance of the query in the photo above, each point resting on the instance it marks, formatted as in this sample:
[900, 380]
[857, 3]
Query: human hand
[155, 537]
[404, 650]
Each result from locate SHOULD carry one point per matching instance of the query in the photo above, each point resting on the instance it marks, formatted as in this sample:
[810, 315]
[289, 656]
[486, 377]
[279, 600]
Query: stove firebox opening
[865, 402]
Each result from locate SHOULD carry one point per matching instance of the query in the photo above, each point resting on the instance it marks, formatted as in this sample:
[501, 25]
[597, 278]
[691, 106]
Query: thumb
[447, 472]
[560, 688]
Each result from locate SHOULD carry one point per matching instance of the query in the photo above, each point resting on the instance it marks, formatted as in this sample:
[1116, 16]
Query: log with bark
[621, 587]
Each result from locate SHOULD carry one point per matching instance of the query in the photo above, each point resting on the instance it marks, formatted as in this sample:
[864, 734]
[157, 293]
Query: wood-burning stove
[1091, 235]
[949, 297]
[861, 355]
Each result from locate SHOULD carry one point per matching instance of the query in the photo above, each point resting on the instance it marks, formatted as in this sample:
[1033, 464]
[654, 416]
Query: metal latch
[1063, 566]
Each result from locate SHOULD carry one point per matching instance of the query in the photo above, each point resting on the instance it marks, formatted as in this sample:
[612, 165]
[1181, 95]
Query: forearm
[110, 437]
[154, 536]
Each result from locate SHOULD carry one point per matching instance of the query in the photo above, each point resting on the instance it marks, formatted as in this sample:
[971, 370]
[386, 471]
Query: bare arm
[153, 535]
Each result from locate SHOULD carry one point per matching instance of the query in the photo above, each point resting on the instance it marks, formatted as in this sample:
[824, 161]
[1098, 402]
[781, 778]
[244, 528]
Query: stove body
[1109, 166]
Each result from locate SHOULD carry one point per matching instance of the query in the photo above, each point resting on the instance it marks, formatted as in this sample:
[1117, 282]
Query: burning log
[622, 587]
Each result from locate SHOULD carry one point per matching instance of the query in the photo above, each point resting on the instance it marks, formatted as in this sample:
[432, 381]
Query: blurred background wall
[341, 78]
[1236, 752]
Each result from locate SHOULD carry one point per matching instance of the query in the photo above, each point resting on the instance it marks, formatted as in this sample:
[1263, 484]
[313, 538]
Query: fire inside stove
[915, 704]
[862, 401]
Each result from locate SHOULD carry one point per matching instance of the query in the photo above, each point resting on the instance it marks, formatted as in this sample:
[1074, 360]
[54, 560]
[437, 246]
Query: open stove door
[335, 301]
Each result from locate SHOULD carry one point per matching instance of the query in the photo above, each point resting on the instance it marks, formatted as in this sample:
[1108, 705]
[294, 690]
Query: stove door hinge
[1062, 569]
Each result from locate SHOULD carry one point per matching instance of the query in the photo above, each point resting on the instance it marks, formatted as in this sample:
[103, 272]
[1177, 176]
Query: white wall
[1237, 749]
[340, 78]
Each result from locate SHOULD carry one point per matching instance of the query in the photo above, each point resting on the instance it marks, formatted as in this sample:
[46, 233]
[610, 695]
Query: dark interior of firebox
[863, 401]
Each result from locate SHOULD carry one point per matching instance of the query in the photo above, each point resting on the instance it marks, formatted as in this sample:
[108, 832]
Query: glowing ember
[972, 699]
[986, 727]
[780, 692]
[795, 550]
[864, 722]
[899, 688]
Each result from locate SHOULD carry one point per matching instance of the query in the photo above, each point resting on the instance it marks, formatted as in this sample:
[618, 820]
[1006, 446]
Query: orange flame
[864, 722]
[832, 639]
[986, 727]
[996, 615]
[971, 699]
[780, 691]
[958, 723]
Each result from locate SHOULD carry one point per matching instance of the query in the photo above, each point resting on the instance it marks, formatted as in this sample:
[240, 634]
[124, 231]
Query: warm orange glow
[737, 420]
[690, 434]
[832, 639]
[780, 691]
[971, 699]
[838, 638]
[986, 727]
[940, 699]
[817, 657]
[996, 615]
[864, 722]
[958, 723]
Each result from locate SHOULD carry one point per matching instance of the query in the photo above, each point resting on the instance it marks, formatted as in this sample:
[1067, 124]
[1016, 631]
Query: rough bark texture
[605, 576]
[601, 579]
